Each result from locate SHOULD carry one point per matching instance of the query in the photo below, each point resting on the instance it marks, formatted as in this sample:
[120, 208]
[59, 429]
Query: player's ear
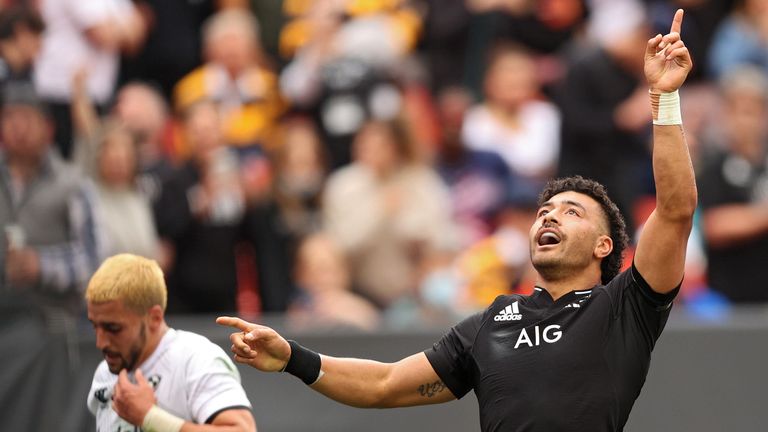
[155, 314]
[603, 247]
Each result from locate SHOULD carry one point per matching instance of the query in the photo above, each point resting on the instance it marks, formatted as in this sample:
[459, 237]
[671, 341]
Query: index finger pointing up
[677, 22]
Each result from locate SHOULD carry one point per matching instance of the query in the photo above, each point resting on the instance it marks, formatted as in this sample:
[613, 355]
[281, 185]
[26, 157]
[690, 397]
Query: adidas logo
[509, 313]
[572, 305]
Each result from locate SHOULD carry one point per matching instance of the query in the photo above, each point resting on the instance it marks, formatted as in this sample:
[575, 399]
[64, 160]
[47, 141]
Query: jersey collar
[542, 297]
[162, 347]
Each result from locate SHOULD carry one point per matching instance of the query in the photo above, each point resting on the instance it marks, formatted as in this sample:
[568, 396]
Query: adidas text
[509, 313]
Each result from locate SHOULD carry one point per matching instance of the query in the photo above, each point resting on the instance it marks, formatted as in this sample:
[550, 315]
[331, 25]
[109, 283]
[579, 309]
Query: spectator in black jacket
[204, 217]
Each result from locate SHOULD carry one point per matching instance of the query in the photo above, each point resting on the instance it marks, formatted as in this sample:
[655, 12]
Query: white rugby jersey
[193, 379]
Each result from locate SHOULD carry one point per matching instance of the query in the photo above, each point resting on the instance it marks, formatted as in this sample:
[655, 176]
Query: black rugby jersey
[574, 364]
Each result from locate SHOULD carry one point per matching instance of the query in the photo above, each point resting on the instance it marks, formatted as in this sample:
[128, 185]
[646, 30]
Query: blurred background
[362, 174]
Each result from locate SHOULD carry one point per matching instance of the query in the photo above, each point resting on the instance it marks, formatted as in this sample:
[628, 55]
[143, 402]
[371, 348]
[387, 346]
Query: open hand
[667, 60]
[257, 346]
[133, 401]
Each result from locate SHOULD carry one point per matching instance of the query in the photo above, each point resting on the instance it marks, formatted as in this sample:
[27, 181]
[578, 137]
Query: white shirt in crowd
[193, 379]
[530, 150]
[66, 49]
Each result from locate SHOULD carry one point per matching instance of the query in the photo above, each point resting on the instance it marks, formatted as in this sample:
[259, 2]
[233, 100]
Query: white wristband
[665, 108]
[160, 420]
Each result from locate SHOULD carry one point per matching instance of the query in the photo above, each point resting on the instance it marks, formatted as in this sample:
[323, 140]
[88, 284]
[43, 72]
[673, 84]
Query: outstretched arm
[660, 256]
[356, 382]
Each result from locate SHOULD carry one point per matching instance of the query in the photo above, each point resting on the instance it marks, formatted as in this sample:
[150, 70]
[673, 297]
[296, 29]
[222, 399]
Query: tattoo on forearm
[431, 389]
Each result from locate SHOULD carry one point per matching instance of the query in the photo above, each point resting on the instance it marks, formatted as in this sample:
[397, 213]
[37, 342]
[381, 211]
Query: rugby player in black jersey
[574, 354]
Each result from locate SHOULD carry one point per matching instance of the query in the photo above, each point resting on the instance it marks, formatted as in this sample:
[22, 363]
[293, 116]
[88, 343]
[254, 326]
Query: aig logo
[509, 313]
[550, 334]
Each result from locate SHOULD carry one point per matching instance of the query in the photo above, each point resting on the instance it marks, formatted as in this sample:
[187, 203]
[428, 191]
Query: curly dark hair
[611, 265]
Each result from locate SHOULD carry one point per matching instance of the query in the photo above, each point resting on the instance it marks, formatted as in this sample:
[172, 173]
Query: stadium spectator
[346, 70]
[126, 213]
[203, 215]
[108, 154]
[173, 45]
[512, 121]
[83, 34]
[51, 246]
[153, 376]
[324, 298]
[142, 110]
[499, 264]
[21, 30]
[308, 20]
[477, 179]
[734, 189]
[300, 174]
[604, 104]
[200, 214]
[47, 213]
[740, 39]
[237, 77]
[544, 27]
[387, 212]
[444, 43]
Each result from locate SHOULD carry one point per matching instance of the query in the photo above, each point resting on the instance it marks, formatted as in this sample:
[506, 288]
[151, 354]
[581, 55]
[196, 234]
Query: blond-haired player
[154, 377]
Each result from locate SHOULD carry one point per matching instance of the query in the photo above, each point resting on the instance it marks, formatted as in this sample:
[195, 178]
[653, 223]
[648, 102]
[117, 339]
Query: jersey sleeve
[213, 384]
[451, 356]
[638, 306]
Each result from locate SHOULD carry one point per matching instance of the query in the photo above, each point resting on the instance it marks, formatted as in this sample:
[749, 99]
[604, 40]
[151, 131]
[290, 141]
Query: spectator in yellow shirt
[235, 77]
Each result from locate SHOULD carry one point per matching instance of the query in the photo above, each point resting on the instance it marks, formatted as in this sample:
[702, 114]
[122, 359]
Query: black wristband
[303, 364]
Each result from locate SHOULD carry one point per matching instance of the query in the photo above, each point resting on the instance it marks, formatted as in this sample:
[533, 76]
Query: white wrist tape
[666, 108]
[160, 420]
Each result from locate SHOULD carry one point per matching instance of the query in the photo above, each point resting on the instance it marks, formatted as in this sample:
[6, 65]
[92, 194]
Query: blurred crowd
[352, 161]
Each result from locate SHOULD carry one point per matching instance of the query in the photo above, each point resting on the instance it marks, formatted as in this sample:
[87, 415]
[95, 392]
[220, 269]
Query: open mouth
[548, 238]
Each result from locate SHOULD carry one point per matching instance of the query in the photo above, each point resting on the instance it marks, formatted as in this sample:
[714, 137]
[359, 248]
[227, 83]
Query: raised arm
[660, 255]
[356, 382]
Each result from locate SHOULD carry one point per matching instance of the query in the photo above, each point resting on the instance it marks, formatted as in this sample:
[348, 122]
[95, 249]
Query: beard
[558, 266]
[128, 362]
[549, 268]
